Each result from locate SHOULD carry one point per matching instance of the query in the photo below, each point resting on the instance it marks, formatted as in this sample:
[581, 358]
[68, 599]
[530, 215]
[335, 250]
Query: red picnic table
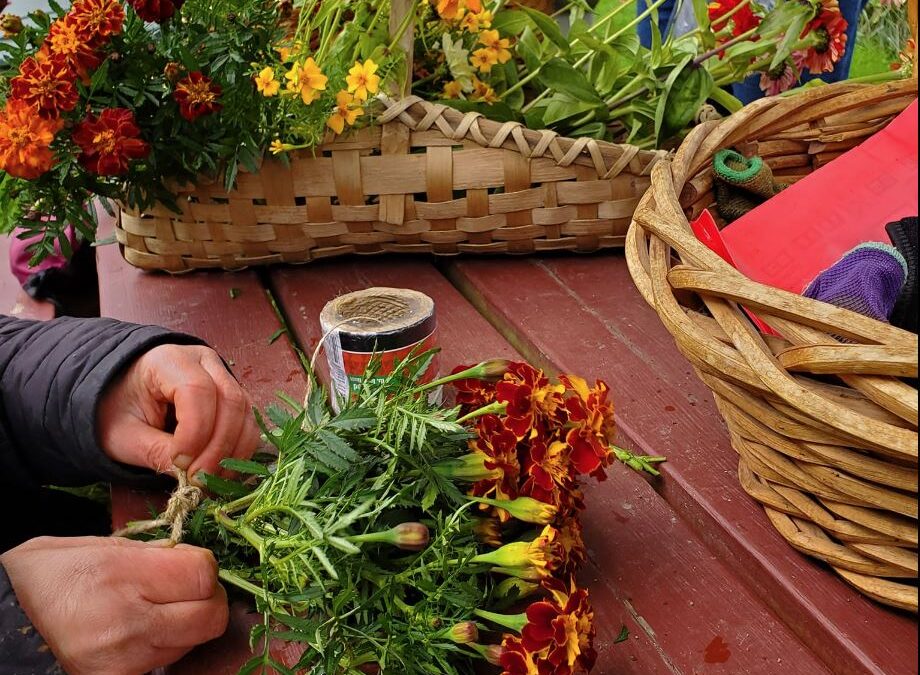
[688, 563]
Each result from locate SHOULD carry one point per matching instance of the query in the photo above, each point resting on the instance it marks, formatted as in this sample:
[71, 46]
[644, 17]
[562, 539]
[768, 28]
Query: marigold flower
[569, 536]
[69, 44]
[307, 80]
[362, 79]
[266, 83]
[346, 113]
[528, 394]
[829, 28]
[472, 393]
[562, 628]
[515, 659]
[109, 142]
[47, 85]
[25, 140]
[98, 20]
[488, 531]
[197, 95]
[498, 445]
[156, 11]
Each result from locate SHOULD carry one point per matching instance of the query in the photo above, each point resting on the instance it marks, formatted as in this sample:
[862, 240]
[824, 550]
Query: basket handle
[394, 136]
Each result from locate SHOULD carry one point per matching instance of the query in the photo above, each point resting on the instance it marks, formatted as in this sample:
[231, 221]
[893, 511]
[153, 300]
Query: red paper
[786, 241]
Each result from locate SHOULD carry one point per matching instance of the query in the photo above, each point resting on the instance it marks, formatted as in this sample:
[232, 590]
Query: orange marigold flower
[528, 395]
[68, 42]
[197, 95]
[109, 142]
[156, 11]
[562, 628]
[569, 536]
[46, 85]
[25, 140]
[98, 20]
[498, 445]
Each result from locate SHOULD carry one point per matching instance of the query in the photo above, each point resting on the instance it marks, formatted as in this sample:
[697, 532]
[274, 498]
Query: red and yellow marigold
[25, 140]
[109, 142]
[46, 85]
[197, 95]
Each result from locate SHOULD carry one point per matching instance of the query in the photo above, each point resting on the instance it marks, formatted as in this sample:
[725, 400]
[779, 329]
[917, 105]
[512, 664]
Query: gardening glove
[741, 183]
[903, 235]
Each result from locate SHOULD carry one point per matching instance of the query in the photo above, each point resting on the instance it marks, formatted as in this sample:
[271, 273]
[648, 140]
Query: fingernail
[182, 461]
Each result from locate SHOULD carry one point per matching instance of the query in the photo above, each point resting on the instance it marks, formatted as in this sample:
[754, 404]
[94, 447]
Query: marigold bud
[411, 536]
[11, 25]
[469, 467]
[172, 72]
[528, 509]
[465, 632]
[493, 654]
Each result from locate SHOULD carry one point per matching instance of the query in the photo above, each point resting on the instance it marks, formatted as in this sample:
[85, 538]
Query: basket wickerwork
[426, 179]
[826, 428]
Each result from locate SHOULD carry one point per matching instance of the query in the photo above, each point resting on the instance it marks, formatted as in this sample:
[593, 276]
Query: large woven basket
[427, 179]
[826, 430]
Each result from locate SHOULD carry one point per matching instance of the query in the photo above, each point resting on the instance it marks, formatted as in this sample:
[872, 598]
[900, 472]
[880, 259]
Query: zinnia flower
[109, 142]
[197, 95]
[742, 20]
[266, 83]
[562, 627]
[829, 29]
[307, 80]
[783, 78]
[346, 113]
[25, 140]
[362, 79]
[156, 11]
[98, 20]
[47, 85]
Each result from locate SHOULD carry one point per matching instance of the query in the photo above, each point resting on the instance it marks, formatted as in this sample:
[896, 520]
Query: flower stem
[720, 48]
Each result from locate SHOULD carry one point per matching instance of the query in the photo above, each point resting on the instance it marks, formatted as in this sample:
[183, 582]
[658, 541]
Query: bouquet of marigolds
[397, 535]
[126, 99]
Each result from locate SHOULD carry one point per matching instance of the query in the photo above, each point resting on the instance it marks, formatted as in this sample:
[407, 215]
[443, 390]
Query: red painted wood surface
[583, 314]
[13, 300]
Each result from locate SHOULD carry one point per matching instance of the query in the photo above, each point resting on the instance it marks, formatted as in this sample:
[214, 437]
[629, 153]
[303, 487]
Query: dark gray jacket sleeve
[52, 375]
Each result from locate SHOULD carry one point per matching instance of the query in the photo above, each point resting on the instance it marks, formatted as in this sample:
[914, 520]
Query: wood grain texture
[13, 300]
[586, 316]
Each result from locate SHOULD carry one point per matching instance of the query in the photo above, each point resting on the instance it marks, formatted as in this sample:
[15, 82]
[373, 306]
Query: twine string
[181, 502]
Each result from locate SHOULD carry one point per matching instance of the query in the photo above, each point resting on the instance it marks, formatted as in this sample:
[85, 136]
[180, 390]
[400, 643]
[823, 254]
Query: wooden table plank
[13, 300]
[649, 572]
[583, 314]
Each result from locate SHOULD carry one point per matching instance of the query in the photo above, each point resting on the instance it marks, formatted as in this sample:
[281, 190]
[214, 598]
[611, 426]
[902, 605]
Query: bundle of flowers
[401, 536]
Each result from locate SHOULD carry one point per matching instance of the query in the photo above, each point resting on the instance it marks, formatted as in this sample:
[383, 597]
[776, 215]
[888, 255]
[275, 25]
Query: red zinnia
[157, 11]
[47, 85]
[197, 95]
[97, 20]
[742, 21]
[109, 142]
[830, 28]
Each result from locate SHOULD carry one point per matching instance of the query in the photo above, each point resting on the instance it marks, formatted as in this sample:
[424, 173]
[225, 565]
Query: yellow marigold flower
[499, 45]
[362, 79]
[266, 82]
[307, 80]
[452, 89]
[346, 112]
[483, 59]
[277, 147]
[483, 92]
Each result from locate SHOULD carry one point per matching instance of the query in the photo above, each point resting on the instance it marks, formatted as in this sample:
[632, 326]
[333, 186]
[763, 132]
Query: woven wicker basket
[826, 430]
[427, 179]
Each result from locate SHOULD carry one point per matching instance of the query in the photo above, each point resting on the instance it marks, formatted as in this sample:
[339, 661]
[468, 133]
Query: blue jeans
[749, 89]
[665, 10]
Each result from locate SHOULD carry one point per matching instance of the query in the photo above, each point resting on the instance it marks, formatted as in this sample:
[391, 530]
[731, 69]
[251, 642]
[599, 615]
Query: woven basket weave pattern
[826, 430]
[427, 179]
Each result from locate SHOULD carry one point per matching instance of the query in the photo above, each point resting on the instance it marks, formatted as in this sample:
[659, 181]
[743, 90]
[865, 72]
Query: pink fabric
[20, 255]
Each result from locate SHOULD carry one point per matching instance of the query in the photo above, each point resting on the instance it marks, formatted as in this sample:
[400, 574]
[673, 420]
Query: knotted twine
[181, 502]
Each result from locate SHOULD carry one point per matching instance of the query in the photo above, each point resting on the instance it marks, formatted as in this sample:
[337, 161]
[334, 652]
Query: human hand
[213, 414]
[112, 606]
